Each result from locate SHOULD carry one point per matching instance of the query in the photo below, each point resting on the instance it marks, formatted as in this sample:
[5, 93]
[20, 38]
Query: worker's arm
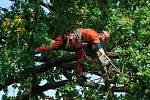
[101, 55]
[98, 48]
[57, 43]
[42, 48]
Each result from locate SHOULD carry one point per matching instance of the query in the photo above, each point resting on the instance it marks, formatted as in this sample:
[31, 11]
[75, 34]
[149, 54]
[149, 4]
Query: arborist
[77, 39]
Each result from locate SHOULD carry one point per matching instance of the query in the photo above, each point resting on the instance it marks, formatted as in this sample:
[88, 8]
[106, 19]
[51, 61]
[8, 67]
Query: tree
[26, 25]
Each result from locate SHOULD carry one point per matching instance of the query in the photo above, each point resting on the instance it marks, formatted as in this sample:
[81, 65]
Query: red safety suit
[88, 35]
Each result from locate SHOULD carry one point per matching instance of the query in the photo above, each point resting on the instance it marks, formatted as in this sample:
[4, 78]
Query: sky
[5, 3]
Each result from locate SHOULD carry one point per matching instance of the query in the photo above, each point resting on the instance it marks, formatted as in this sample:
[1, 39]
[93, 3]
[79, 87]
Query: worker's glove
[43, 48]
[36, 52]
[104, 59]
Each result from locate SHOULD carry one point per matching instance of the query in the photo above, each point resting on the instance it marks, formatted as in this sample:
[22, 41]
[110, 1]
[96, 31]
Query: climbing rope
[107, 94]
[109, 91]
[100, 81]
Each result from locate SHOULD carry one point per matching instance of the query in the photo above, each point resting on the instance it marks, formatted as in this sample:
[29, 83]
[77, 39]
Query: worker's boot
[80, 71]
[82, 78]
[67, 73]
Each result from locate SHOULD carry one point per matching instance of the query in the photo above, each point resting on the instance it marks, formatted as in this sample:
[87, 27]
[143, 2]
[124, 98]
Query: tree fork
[42, 68]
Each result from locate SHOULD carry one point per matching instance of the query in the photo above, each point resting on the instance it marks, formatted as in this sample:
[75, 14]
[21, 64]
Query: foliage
[26, 25]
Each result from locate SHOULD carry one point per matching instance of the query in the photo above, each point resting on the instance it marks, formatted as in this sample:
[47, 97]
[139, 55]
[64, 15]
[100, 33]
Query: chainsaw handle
[104, 59]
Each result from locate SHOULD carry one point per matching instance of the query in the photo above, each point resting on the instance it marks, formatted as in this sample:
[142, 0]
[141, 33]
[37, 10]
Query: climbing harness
[74, 34]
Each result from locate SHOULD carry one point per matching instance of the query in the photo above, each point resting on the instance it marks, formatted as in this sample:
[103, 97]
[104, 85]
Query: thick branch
[114, 55]
[111, 55]
[40, 89]
[39, 69]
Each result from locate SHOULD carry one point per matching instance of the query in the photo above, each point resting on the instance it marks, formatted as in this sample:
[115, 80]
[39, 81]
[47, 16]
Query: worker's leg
[80, 71]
